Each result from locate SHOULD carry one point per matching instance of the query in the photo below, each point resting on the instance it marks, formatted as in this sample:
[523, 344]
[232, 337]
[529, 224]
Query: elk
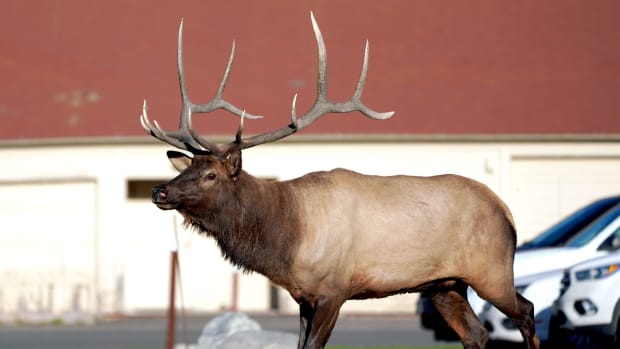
[331, 236]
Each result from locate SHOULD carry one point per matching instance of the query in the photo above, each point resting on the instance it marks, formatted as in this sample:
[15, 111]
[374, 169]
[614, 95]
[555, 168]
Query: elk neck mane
[256, 225]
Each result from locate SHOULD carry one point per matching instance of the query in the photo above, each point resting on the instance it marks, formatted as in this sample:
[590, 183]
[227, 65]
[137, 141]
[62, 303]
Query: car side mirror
[612, 243]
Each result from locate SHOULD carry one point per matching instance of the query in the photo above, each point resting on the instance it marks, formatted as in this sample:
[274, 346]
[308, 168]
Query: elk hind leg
[521, 312]
[453, 306]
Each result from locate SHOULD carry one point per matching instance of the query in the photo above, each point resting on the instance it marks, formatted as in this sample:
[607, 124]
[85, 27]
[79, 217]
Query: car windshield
[559, 233]
[593, 229]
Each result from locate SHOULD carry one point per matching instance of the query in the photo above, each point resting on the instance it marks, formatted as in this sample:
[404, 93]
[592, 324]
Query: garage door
[545, 189]
[48, 247]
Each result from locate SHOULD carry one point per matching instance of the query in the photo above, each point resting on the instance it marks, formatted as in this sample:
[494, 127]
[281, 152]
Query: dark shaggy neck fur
[255, 223]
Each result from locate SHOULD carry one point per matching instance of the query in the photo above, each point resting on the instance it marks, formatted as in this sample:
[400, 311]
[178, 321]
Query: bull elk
[327, 237]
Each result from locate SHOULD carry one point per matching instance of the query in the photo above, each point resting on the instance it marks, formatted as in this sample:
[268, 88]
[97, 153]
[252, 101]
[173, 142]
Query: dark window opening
[142, 188]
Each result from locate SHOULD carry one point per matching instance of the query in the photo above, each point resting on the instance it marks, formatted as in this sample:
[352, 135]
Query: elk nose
[160, 193]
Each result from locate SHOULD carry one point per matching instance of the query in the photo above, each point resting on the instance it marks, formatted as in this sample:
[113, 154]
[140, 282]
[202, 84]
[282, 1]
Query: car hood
[548, 259]
[612, 258]
[532, 278]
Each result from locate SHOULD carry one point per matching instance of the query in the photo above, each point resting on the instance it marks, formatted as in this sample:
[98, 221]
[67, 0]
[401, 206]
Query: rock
[237, 330]
[223, 326]
[259, 340]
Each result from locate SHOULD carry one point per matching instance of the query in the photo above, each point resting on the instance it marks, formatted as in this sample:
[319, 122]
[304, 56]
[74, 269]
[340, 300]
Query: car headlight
[596, 273]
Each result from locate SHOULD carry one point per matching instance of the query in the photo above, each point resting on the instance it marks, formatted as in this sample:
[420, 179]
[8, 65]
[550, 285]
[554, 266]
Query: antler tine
[185, 122]
[180, 67]
[171, 138]
[294, 112]
[322, 71]
[357, 95]
[187, 107]
[240, 129]
[321, 105]
[218, 102]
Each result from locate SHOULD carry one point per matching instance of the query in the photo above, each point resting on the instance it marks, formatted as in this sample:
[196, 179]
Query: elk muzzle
[160, 198]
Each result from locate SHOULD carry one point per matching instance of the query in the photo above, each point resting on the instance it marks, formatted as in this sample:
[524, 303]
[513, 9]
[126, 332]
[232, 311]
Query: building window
[141, 189]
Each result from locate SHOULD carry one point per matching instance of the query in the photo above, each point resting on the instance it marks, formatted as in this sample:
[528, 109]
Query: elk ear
[179, 160]
[233, 163]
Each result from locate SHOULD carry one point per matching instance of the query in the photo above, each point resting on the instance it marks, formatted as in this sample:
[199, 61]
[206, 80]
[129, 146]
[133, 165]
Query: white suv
[530, 267]
[588, 309]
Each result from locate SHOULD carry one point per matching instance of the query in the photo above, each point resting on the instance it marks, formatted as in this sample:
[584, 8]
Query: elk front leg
[306, 312]
[317, 320]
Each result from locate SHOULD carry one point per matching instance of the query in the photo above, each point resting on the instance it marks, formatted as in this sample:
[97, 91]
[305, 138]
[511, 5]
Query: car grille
[565, 283]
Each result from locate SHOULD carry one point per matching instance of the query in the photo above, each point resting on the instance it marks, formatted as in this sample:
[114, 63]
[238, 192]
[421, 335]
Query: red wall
[82, 68]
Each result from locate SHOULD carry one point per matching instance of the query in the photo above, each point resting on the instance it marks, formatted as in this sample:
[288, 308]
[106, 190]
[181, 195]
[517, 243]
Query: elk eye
[211, 176]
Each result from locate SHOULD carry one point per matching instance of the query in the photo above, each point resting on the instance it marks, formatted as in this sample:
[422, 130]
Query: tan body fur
[357, 219]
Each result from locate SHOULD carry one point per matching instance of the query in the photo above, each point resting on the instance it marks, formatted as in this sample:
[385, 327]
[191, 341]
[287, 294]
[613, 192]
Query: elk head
[214, 169]
[202, 178]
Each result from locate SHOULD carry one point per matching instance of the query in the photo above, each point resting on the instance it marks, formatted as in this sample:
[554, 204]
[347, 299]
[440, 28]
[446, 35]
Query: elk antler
[321, 106]
[186, 138]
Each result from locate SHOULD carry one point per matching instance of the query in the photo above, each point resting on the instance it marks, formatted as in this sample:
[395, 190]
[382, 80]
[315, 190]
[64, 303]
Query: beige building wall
[79, 235]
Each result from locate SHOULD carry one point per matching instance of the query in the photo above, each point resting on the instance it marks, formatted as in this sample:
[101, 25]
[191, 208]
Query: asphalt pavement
[150, 332]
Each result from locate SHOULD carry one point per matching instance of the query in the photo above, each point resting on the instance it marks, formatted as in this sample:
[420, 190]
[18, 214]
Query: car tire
[617, 335]
[616, 338]
[497, 344]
